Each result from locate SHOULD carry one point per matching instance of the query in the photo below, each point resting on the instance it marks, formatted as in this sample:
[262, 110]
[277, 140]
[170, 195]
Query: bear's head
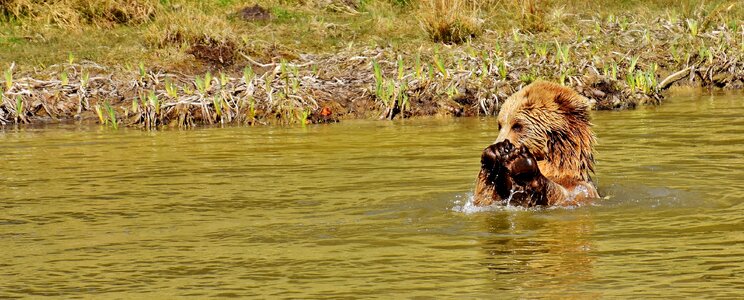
[553, 122]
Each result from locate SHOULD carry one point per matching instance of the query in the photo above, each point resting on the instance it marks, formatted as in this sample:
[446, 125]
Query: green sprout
[633, 62]
[440, 65]
[564, 75]
[252, 107]
[283, 71]
[692, 25]
[614, 70]
[248, 75]
[170, 88]
[562, 52]
[390, 93]
[142, 71]
[542, 50]
[400, 67]
[208, 81]
[154, 101]
[223, 79]
[501, 66]
[379, 80]
[483, 70]
[135, 106]
[201, 85]
[304, 116]
[217, 102]
[84, 79]
[64, 78]
[111, 115]
[404, 103]
[624, 23]
[99, 113]
[9, 78]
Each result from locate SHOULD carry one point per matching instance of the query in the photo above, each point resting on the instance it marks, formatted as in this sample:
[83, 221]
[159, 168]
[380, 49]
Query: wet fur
[552, 123]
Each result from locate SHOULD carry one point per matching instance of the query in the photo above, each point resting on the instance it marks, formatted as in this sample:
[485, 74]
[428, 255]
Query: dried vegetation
[617, 60]
[72, 14]
[450, 21]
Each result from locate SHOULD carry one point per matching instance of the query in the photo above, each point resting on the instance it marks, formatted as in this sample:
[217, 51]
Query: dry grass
[74, 13]
[450, 21]
[532, 15]
[706, 13]
[179, 34]
[189, 26]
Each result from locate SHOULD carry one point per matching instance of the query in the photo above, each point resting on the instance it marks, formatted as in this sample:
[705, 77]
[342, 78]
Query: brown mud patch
[254, 13]
[213, 52]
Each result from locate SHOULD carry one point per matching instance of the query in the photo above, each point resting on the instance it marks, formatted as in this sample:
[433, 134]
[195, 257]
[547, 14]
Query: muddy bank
[616, 65]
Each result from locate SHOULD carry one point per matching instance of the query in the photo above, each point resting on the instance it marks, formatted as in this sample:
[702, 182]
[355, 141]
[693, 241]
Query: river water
[369, 209]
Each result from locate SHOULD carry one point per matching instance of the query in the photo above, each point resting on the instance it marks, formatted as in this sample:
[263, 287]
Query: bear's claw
[517, 163]
[524, 167]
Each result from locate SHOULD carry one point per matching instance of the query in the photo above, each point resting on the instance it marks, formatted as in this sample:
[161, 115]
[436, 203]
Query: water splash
[465, 203]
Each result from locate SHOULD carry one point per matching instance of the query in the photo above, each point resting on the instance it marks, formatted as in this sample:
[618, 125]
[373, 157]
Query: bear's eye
[499, 125]
[517, 127]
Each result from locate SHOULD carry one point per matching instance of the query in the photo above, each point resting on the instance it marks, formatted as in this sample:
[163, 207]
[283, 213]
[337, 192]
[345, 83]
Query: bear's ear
[534, 99]
[572, 103]
[564, 98]
[544, 95]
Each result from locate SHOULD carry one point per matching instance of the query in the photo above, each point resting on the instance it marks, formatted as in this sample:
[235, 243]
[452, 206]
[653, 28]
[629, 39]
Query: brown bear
[543, 154]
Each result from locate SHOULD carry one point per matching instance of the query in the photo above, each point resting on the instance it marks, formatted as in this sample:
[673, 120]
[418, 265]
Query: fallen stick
[669, 80]
[249, 59]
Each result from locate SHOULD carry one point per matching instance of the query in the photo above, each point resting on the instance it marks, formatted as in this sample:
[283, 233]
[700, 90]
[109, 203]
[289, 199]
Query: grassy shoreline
[618, 60]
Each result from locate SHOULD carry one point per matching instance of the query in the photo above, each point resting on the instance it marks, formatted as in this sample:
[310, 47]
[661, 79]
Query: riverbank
[619, 61]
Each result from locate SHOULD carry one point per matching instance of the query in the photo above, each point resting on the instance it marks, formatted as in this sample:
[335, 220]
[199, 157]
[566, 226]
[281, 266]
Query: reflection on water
[369, 208]
[545, 264]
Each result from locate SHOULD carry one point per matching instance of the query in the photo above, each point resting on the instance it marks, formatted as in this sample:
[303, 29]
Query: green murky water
[364, 209]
